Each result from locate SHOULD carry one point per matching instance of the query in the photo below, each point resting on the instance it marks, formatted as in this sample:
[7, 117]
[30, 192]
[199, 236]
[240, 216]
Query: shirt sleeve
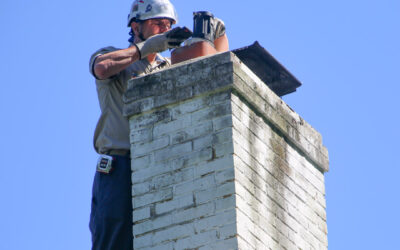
[96, 54]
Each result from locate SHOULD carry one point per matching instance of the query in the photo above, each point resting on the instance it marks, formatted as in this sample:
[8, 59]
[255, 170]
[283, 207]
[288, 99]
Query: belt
[120, 152]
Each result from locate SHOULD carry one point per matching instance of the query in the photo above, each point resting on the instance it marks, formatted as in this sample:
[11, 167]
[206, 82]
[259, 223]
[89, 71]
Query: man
[150, 21]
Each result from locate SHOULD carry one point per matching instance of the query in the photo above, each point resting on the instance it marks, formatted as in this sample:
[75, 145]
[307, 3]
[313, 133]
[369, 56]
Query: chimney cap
[268, 69]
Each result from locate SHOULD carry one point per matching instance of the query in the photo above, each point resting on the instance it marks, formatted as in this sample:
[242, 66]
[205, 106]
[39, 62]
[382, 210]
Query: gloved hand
[159, 43]
[219, 27]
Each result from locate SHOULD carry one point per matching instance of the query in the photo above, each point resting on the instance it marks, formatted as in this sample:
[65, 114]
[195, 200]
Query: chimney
[219, 161]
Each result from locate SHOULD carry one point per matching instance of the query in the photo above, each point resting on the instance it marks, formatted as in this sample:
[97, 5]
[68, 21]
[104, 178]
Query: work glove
[159, 43]
[219, 27]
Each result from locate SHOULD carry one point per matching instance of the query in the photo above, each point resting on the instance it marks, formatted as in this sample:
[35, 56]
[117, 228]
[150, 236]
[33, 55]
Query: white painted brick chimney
[221, 162]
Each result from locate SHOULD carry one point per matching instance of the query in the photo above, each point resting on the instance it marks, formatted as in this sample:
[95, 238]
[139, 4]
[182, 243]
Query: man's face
[151, 27]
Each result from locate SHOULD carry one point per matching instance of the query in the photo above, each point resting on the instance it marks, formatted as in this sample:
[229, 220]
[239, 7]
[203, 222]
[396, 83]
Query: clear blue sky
[346, 54]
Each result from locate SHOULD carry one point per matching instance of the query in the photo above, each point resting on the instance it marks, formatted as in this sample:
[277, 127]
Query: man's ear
[135, 28]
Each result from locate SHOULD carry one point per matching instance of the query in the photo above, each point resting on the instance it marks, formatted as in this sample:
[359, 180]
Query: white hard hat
[142, 10]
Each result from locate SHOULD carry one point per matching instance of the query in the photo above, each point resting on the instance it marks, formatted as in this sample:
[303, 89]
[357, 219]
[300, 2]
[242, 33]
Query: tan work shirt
[112, 130]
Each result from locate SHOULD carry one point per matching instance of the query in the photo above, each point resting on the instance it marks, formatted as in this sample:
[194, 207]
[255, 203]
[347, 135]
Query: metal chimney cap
[268, 69]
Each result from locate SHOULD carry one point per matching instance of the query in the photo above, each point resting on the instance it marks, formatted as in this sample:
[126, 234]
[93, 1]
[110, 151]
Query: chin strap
[141, 37]
[132, 37]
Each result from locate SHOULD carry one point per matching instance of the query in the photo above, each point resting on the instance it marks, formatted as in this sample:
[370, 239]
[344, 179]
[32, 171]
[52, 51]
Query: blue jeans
[111, 213]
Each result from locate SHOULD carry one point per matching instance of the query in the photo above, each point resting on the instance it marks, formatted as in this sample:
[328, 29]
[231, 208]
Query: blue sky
[346, 54]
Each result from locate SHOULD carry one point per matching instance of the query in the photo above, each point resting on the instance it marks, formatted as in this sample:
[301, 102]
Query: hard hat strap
[140, 35]
[131, 37]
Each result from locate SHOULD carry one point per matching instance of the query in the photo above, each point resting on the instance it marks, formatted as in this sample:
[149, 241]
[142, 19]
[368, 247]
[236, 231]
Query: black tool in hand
[180, 33]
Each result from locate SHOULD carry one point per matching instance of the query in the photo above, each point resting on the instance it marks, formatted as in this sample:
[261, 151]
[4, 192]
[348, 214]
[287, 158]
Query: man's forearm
[114, 62]
[221, 43]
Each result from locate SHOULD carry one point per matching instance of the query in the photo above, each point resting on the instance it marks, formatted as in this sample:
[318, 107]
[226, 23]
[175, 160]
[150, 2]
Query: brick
[197, 157]
[280, 187]
[257, 212]
[248, 140]
[141, 214]
[309, 172]
[173, 233]
[254, 242]
[190, 106]
[197, 240]
[151, 225]
[220, 83]
[171, 97]
[142, 241]
[199, 184]
[142, 87]
[149, 198]
[191, 133]
[222, 150]
[193, 213]
[285, 243]
[222, 122]
[225, 176]
[253, 234]
[256, 175]
[318, 234]
[202, 142]
[250, 203]
[199, 72]
[228, 244]
[168, 245]
[175, 204]
[139, 163]
[213, 193]
[172, 178]
[162, 181]
[221, 97]
[141, 135]
[216, 221]
[139, 106]
[166, 128]
[243, 245]
[225, 203]
[314, 243]
[214, 166]
[309, 215]
[144, 120]
[171, 165]
[211, 112]
[147, 147]
[173, 151]
[222, 136]
[141, 188]
[227, 231]
[299, 217]
[153, 170]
